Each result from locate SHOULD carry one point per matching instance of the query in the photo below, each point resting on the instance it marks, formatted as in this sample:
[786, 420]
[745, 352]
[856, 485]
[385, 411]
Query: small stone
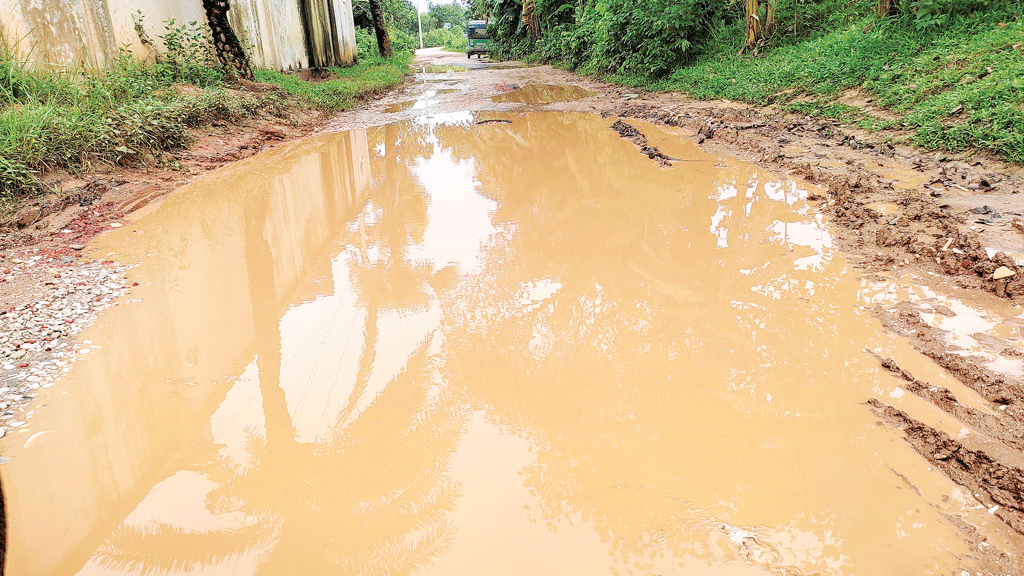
[76, 246]
[17, 354]
[1002, 272]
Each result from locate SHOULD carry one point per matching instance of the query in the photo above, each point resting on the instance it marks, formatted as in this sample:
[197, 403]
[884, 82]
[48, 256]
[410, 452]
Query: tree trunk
[383, 41]
[229, 49]
[531, 21]
[753, 26]
[885, 8]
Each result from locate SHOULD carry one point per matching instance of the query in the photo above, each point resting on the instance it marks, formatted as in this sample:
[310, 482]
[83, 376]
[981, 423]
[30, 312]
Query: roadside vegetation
[401, 21]
[951, 72]
[341, 88]
[73, 119]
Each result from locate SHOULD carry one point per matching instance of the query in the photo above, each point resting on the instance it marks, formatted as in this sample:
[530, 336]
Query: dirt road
[855, 290]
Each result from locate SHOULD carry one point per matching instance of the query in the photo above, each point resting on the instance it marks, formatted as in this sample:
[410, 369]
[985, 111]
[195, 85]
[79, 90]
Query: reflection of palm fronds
[166, 548]
[425, 503]
[401, 554]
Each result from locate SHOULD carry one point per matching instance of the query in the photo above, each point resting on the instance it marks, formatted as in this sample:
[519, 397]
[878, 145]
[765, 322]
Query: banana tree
[757, 31]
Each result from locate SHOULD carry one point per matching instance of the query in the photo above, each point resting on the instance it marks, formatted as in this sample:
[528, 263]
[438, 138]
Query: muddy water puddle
[425, 100]
[433, 348]
[543, 94]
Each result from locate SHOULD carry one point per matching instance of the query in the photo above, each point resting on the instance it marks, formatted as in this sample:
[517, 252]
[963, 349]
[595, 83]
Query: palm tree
[229, 49]
[380, 28]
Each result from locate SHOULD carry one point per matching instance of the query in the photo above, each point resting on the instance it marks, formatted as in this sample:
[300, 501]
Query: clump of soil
[629, 132]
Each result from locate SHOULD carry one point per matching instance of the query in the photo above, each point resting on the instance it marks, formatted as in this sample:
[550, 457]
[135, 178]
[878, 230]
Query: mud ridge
[944, 399]
[1004, 392]
[999, 487]
[630, 132]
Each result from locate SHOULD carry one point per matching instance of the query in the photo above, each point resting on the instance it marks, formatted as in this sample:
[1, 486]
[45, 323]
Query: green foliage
[15, 179]
[371, 75]
[189, 56]
[952, 71]
[402, 41]
[366, 43]
[439, 14]
[936, 14]
[442, 37]
[134, 110]
[398, 14]
[938, 83]
[401, 14]
[649, 36]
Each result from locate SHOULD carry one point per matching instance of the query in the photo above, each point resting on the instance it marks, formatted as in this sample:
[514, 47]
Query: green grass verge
[957, 89]
[133, 112]
[66, 119]
[371, 75]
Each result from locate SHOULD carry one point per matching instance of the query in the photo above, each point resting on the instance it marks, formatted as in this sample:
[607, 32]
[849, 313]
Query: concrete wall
[278, 34]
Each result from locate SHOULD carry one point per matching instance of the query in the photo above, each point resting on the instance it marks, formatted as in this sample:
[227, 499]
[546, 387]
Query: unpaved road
[869, 229]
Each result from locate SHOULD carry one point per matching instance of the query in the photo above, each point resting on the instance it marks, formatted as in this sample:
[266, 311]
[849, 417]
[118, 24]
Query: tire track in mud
[998, 486]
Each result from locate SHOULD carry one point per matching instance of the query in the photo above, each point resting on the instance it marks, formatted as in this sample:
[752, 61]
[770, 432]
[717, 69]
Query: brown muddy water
[543, 94]
[425, 100]
[441, 348]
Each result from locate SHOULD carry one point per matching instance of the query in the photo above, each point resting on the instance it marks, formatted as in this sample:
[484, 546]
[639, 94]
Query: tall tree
[229, 49]
[531, 20]
[383, 41]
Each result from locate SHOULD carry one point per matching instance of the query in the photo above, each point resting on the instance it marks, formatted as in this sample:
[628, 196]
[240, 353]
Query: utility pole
[419, 22]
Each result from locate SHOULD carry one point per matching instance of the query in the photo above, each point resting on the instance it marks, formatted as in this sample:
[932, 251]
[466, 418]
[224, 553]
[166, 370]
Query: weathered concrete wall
[278, 34]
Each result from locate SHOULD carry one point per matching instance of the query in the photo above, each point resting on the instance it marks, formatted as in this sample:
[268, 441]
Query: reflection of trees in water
[373, 496]
[619, 375]
[606, 375]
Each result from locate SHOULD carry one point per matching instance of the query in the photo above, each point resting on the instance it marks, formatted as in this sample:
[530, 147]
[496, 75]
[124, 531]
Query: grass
[71, 119]
[957, 89]
[371, 75]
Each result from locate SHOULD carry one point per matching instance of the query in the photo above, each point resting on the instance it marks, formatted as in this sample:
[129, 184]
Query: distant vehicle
[479, 42]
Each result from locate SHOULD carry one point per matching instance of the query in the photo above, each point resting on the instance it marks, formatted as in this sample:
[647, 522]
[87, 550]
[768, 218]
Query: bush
[366, 42]
[441, 37]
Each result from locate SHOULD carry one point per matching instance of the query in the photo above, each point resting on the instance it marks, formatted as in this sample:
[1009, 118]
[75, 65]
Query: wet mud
[397, 350]
[999, 487]
[629, 132]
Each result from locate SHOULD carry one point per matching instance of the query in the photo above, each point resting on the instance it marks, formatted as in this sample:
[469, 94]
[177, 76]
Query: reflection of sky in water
[974, 330]
[459, 218]
[317, 373]
[318, 376]
[810, 233]
[240, 414]
[787, 192]
[180, 502]
[444, 119]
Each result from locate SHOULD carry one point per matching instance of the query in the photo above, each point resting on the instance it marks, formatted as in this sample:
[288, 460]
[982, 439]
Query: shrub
[441, 37]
